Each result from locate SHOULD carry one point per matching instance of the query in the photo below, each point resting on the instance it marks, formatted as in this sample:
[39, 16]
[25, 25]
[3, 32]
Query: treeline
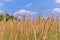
[8, 17]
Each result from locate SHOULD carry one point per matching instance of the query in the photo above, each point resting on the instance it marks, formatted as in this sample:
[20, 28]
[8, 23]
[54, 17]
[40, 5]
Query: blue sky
[31, 7]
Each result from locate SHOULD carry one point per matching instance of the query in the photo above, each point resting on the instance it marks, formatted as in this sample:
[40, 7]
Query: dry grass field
[35, 29]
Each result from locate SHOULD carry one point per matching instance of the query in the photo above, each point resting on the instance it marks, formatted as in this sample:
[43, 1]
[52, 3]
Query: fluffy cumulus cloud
[56, 10]
[23, 11]
[57, 1]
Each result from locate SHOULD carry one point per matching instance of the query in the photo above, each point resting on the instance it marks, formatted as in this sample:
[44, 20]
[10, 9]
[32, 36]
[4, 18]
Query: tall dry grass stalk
[33, 29]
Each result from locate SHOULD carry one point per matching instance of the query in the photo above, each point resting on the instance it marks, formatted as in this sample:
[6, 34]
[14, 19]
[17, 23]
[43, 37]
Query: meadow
[30, 29]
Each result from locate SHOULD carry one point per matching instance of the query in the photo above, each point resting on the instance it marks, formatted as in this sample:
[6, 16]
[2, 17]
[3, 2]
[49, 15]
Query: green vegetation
[8, 17]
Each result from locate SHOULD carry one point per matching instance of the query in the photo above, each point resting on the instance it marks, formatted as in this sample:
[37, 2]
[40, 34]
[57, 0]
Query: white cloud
[0, 11]
[56, 10]
[57, 1]
[8, 0]
[23, 11]
[29, 5]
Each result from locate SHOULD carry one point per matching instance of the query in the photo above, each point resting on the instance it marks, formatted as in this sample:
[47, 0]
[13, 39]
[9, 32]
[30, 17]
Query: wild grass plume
[30, 29]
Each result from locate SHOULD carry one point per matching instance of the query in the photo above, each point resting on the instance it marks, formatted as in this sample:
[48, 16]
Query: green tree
[8, 17]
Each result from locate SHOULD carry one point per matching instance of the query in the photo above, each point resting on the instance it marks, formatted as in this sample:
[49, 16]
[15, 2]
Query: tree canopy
[7, 17]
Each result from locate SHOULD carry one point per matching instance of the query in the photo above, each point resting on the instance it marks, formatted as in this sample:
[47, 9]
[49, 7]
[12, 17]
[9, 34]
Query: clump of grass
[34, 29]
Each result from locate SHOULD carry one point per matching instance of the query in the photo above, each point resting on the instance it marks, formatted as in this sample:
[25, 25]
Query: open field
[34, 29]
